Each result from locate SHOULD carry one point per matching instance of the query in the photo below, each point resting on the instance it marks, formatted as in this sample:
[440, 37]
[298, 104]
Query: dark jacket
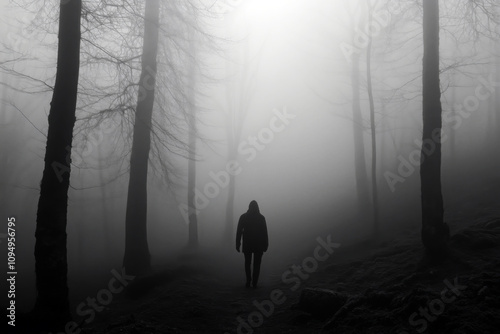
[252, 225]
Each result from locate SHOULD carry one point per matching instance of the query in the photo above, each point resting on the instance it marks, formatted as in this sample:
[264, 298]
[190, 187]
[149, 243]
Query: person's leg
[257, 258]
[248, 262]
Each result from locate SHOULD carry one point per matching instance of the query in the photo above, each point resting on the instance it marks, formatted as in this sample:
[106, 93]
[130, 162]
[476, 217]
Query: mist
[134, 136]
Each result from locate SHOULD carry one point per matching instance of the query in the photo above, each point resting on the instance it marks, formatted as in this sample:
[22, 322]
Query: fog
[273, 94]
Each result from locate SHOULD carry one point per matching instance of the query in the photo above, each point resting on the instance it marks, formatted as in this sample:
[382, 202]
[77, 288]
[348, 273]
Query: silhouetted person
[252, 226]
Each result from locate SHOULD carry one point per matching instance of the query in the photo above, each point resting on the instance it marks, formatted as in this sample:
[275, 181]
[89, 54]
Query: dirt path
[204, 292]
[192, 299]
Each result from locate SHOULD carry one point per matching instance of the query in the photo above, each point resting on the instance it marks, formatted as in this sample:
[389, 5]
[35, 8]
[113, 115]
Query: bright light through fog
[268, 32]
[135, 137]
[263, 17]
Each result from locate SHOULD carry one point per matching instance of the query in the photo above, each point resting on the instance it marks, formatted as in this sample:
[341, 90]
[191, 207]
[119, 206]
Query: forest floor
[387, 288]
[379, 288]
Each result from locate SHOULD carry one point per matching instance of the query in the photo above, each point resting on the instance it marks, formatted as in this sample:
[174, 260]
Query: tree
[359, 146]
[453, 151]
[137, 258]
[52, 306]
[239, 97]
[375, 204]
[496, 102]
[434, 231]
[104, 202]
[192, 137]
[361, 176]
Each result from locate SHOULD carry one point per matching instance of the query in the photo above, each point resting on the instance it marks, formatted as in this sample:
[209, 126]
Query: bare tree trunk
[3, 102]
[375, 205]
[453, 152]
[359, 146]
[238, 103]
[360, 173]
[137, 258]
[193, 219]
[80, 225]
[491, 120]
[104, 203]
[51, 266]
[384, 147]
[229, 232]
[434, 231]
[497, 98]
[4, 168]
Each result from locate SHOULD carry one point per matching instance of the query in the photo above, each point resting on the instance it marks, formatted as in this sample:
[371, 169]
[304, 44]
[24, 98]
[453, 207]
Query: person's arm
[239, 232]
[266, 239]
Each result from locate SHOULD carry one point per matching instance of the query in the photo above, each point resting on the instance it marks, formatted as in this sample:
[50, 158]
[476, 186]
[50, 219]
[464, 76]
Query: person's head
[253, 207]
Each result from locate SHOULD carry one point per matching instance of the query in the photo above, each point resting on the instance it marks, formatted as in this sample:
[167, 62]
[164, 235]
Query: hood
[253, 207]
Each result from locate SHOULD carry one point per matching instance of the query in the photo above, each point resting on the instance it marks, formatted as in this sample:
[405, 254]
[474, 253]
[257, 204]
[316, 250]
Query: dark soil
[389, 287]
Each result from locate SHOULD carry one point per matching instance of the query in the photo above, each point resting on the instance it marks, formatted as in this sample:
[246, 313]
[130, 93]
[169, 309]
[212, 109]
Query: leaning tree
[52, 306]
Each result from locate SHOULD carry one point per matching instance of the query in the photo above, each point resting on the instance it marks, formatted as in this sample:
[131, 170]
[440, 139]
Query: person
[252, 227]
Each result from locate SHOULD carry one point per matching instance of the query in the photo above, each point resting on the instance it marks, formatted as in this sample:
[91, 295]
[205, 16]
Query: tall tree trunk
[104, 204]
[81, 211]
[137, 258]
[193, 219]
[375, 205]
[497, 98]
[384, 147]
[239, 102]
[51, 266]
[3, 98]
[4, 159]
[229, 231]
[359, 146]
[452, 131]
[490, 120]
[434, 231]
